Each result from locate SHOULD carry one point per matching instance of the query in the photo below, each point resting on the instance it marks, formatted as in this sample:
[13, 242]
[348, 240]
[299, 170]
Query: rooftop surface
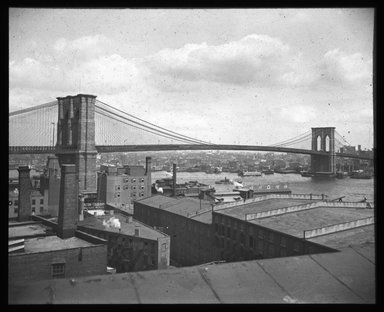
[264, 205]
[340, 277]
[185, 206]
[26, 230]
[49, 243]
[343, 239]
[295, 223]
[156, 200]
[126, 228]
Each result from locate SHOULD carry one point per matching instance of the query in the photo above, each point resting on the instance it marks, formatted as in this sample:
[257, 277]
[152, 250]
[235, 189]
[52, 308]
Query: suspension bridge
[34, 131]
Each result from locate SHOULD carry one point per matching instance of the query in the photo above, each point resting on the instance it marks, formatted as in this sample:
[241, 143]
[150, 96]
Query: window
[163, 247]
[133, 187]
[58, 270]
[117, 194]
[142, 180]
[296, 246]
[33, 201]
[142, 187]
[117, 187]
[33, 209]
[16, 202]
[41, 201]
[126, 180]
[250, 241]
[125, 187]
[141, 194]
[41, 209]
[270, 237]
[15, 210]
[133, 180]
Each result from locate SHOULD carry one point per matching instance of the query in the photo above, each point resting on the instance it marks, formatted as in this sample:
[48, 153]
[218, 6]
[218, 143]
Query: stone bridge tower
[76, 137]
[323, 139]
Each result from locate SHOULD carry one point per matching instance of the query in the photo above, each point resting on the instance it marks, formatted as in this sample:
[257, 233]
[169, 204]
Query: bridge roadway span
[178, 147]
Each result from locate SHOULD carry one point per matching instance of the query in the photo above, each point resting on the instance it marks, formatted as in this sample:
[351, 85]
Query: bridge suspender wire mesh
[295, 140]
[35, 126]
[122, 118]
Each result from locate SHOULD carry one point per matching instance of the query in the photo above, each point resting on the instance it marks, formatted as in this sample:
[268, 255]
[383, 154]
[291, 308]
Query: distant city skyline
[244, 76]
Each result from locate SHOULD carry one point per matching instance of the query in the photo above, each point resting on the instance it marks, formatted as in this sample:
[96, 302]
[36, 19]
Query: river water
[352, 189]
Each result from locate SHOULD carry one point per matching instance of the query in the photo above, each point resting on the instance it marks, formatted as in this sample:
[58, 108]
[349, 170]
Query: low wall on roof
[271, 196]
[322, 204]
[338, 227]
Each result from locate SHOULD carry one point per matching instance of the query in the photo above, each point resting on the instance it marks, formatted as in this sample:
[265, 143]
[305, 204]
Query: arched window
[327, 143]
[318, 143]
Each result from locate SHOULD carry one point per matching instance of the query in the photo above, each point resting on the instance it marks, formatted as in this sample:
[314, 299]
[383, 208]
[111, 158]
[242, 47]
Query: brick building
[186, 220]
[119, 187]
[41, 249]
[279, 227]
[132, 245]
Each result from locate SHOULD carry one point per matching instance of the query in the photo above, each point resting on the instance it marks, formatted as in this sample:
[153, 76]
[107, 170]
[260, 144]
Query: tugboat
[360, 174]
[225, 181]
[249, 173]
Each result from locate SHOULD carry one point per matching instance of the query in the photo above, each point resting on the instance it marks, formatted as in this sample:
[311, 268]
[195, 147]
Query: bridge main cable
[178, 137]
[170, 131]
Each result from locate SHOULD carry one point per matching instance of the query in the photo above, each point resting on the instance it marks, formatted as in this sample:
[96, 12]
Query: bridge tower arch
[323, 139]
[76, 137]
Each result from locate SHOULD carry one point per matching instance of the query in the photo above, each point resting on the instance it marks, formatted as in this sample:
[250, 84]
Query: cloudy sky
[244, 76]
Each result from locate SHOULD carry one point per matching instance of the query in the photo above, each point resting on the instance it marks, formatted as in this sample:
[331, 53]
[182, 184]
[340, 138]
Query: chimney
[68, 202]
[148, 173]
[24, 194]
[53, 185]
[174, 180]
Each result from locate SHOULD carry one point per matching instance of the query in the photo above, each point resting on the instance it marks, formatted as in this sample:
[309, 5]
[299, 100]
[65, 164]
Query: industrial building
[132, 245]
[188, 221]
[119, 187]
[40, 249]
[289, 225]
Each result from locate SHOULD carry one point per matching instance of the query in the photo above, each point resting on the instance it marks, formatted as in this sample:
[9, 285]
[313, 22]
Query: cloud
[339, 67]
[254, 59]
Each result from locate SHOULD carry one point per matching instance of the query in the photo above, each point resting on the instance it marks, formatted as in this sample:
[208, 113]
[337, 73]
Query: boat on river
[250, 174]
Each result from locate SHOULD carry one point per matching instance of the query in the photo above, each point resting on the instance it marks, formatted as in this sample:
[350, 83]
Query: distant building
[119, 187]
[132, 245]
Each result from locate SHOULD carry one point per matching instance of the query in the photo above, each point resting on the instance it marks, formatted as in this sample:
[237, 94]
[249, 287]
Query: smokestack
[148, 173]
[68, 202]
[174, 180]
[24, 194]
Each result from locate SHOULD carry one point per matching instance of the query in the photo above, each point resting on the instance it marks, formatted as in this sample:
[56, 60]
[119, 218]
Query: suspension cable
[178, 134]
[168, 136]
[151, 128]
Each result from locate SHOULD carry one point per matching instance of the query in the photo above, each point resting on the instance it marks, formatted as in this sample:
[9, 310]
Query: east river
[352, 189]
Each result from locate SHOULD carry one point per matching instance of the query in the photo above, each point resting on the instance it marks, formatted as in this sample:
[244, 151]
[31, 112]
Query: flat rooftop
[27, 230]
[341, 277]
[145, 231]
[184, 206]
[343, 239]
[295, 223]
[156, 200]
[192, 208]
[269, 204]
[49, 243]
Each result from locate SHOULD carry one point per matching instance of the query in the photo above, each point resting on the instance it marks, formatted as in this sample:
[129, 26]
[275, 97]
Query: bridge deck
[180, 147]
